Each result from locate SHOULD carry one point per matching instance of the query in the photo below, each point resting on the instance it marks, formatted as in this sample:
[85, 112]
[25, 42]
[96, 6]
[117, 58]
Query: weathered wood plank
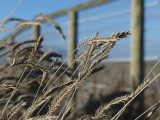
[137, 52]
[72, 37]
[36, 32]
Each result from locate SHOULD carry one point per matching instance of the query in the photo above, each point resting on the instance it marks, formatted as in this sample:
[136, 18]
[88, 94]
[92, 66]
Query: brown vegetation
[32, 84]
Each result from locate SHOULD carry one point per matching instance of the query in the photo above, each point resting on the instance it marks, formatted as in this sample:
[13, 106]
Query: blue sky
[111, 17]
[29, 8]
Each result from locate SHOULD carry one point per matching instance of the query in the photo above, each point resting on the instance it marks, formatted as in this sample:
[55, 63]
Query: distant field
[115, 79]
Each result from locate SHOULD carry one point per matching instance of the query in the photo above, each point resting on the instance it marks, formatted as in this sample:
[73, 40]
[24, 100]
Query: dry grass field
[35, 85]
[114, 81]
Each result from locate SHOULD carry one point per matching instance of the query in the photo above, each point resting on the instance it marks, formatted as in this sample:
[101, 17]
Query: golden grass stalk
[45, 17]
[152, 110]
[4, 29]
[21, 23]
[15, 109]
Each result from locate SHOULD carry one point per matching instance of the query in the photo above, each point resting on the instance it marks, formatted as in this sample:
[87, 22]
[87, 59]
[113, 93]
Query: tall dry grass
[31, 80]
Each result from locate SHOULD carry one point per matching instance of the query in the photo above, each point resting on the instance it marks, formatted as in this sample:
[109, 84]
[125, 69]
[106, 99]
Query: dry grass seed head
[15, 109]
[4, 29]
[45, 17]
[37, 46]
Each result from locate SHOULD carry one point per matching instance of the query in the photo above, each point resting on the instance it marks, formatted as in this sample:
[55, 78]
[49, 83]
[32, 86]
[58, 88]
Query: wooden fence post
[72, 37]
[137, 52]
[71, 48]
[36, 32]
[137, 64]
[11, 39]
